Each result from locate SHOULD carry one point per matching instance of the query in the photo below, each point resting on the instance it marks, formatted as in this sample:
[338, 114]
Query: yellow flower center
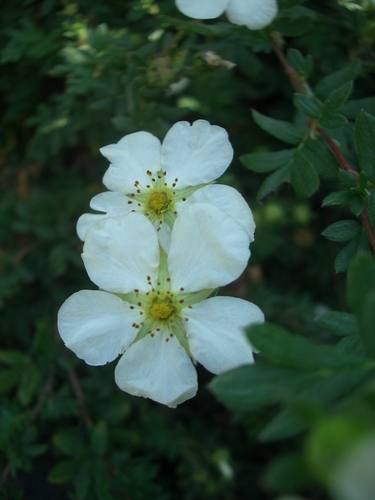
[161, 310]
[159, 201]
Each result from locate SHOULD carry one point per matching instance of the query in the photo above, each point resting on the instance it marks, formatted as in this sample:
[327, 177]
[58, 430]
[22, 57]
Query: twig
[81, 397]
[297, 83]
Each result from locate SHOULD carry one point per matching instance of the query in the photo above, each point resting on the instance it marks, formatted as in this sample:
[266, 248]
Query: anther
[183, 199]
[167, 339]
[130, 202]
[181, 301]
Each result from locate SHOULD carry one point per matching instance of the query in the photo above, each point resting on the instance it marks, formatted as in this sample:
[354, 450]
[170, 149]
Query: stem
[81, 397]
[295, 79]
[298, 84]
[340, 158]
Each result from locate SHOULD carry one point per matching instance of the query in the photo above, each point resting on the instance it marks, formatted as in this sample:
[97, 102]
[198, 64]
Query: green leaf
[336, 198]
[338, 323]
[348, 180]
[303, 65]
[286, 424]
[343, 230]
[274, 180]
[337, 98]
[267, 162]
[29, 384]
[294, 21]
[337, 79]
[321, 157]
[286, 349]
[346, 255]
[63, 471]
[286, 473]
[352, 108]
[13, 357]
[9, 378]
[305, 179]
[361, 280]
[365, 144]
[307, 105]
[99, 438]
[261, 384]
[69, 441]
[357, 204]
[284, 131]
[371, 208]
[335, 120]
[367, 322]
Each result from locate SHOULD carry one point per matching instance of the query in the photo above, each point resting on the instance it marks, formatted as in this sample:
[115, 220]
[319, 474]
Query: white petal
[202, 9]
[97, 326]
[114, 205]
[164, 235]
[130, 159]
[255, 14]
[229, 200]
[215, 332]
[120, 254]
[195, 154]
[159, 370]
[208, 248]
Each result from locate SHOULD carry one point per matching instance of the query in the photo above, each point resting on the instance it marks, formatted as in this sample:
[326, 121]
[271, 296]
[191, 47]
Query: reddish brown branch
[297, 83]
[340, 158]
[295, 79]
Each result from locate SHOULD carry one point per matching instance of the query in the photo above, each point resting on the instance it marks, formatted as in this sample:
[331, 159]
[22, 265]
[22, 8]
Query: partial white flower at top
[255, 14]
[154, 309]
[157, 179]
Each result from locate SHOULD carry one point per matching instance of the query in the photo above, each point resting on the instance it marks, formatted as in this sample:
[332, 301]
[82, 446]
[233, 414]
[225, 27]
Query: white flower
[255, 14]
[154, 310]
[158, 179]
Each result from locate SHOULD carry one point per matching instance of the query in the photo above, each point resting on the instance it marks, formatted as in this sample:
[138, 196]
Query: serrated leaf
[267, 162]
[307, 105]
[342, 230]
[357, 204]
[338, 323]
[337, 98]
[254, 386]
[305, 180]
[336, 198]
[285, 349]
[335, 120]
[321, 157]
[274, 180]
[346, 255]
[303, 65]
[365, 144]
[282, 130]
[361, 280]
[337, 79]
[348, 180]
